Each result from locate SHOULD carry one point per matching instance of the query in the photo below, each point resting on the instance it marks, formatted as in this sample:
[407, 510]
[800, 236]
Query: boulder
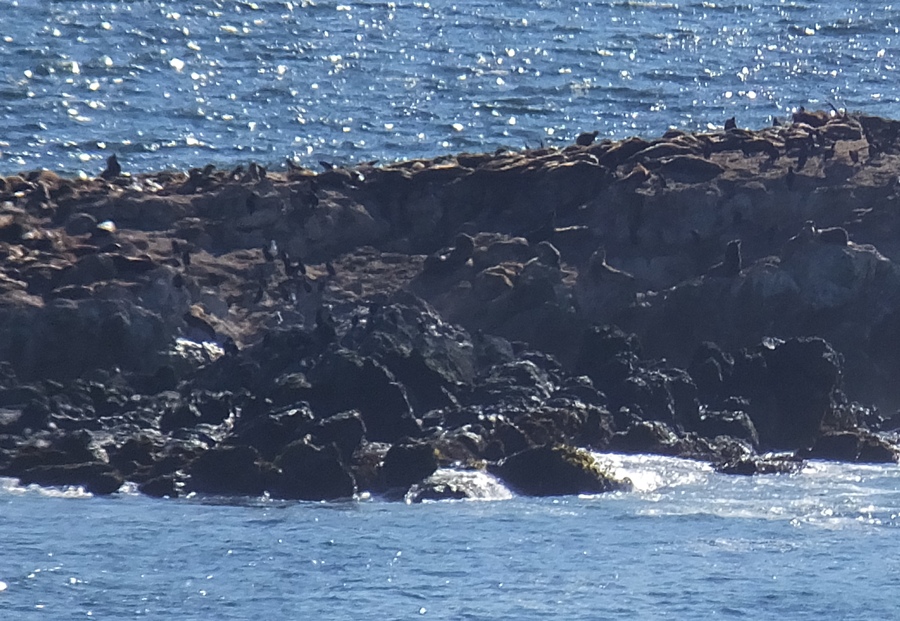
[344, 380]
[406, 464]
[853, 446]
[96, 477]
[309, 472]
[228, 470]
[556, 471]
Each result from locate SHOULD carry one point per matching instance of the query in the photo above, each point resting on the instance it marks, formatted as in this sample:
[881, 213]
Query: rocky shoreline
[732, 297]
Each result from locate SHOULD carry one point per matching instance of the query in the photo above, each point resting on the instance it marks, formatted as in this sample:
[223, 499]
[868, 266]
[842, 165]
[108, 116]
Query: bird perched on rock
[270, 251]
[730, 124]
[790, 178]
[292, 267]
[586, 139]
[113, 168]
[256, 172]
[733, 263]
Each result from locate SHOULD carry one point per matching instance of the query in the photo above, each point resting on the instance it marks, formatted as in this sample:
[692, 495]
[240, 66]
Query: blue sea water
[687, 544]
[181, 83]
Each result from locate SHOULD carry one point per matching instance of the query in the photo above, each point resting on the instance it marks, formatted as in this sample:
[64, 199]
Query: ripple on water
[321, 81]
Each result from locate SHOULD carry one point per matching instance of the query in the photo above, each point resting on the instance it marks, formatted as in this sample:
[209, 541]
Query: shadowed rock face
[237, 332]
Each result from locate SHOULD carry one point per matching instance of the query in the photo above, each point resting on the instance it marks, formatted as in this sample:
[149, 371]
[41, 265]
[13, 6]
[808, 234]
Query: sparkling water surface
[687, 544]
[180, 83]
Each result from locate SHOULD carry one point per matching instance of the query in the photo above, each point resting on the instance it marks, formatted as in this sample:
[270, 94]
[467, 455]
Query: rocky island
[731, 296]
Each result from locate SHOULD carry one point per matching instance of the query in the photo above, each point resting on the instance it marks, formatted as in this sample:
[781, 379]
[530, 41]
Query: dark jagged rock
[96, 477]
[228, 470]
[345, 431]
[853, 446]
[308, 472]
[406, 464]
[646, 437]
[346, 381]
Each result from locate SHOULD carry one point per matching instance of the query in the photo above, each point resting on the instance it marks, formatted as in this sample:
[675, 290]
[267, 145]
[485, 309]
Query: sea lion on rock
[813, 119]
[113, 168]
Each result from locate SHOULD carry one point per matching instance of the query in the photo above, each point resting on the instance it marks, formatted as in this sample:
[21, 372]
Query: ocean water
[686, 544]
[181, 83]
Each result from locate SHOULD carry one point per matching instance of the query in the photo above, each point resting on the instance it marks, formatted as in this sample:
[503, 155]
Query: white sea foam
[474, 484]
[12, 486]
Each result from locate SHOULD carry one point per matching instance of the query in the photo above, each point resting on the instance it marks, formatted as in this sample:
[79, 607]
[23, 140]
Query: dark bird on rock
[585, 139]
[776, 122]
[325, 329]
[257, 172]
[730, 124]
[733, 263]
[292, 267]
[270, 251]
[186, 256]
[258, 296]
[113, 168]
[329, 267]
[854, 156]
[790, 177]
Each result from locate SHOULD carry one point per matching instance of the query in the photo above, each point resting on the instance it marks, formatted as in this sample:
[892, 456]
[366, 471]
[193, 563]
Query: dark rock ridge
[315, 336]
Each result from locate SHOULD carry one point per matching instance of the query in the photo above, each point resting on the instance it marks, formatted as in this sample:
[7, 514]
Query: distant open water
[181, 83]
[687, 544]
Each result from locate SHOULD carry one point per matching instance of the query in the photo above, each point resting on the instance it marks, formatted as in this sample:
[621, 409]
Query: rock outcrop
[314, 336]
